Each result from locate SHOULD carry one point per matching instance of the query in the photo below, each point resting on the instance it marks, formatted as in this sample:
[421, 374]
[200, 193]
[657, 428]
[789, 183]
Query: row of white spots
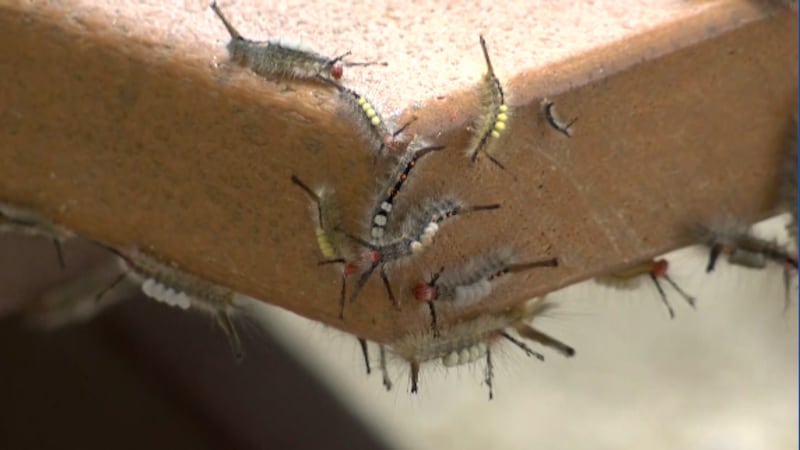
[466, 355]
[164, 294]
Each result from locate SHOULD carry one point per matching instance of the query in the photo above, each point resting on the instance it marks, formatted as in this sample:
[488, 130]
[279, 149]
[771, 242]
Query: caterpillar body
[473, 339]
[494, 113]
[655, 269]
[380, 215]
[332, 242]
[470, 284]
[283, 57]
[376, 129]
[418, 231]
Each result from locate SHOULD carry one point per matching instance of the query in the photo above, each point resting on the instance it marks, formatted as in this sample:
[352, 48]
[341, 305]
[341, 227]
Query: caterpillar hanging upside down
[167, 284]
[332, 243]
[494, 114]
[467, 285]
[655, 269]
[735, 240]
[284, 57]
[470, 340]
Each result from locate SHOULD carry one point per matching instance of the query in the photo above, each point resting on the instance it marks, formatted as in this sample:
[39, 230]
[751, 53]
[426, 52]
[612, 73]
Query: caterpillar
[22, 221]
[418, 231]
[397, 179]
[473, 339]
[734, 239]
[561, 126]
[494, 113]
[331, 241]
[471, 283]
[167, 284]
[655, 269]
[284, 57]
[376, 129]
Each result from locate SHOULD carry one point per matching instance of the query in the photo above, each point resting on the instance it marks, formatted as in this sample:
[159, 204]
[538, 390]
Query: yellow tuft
[361, 100]
[503, 108]
[375, 121]
[495, 134]
[502, 117]
[325, 245]
[371, 113]
[499, 126]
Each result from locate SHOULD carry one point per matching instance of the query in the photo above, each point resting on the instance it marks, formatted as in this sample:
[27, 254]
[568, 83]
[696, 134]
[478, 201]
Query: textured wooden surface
[125, 123]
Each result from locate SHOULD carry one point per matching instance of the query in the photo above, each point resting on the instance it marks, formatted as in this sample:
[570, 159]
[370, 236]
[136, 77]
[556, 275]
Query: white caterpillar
[167, 284]
[467, 285]
[470, 340]
[418, 230]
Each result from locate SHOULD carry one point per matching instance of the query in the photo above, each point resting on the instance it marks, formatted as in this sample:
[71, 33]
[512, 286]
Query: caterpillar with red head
[284, 57]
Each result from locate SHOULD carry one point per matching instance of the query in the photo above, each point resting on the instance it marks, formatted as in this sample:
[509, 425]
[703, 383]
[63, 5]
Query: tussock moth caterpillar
[22, 221]
[418, 231]
[734, 239]
[470, 340]
[494, 113]
[331, 241]
[375, 128]
[471, 283]
[167, 284]
[556, 122]
[283, 57]
[656, 268]
[384, 203]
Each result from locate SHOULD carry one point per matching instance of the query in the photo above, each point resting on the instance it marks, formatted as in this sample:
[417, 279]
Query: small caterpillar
[22, 221]
[735, 239]
[468, 285]
[494, 117]
[375, 127]
[655, 269]
[743, 248]
[169, 285]
[284, 57]
[468, 341]
[384, 203]
[332, 243]
[562, 127]
[418, 231]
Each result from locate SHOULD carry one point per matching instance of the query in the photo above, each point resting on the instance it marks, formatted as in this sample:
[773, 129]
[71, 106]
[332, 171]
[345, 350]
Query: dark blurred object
[144, 375]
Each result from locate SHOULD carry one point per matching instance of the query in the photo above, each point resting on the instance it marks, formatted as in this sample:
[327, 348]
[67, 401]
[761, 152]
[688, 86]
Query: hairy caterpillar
[734, 239]
[494, 113]
[284, 57]
[471, 283]
[561, 126]
[470, 340]
[167, 284]
[418, 231]
[375, 127]
[22, 221]
[655, 269]
[331, 241]
[384, 203]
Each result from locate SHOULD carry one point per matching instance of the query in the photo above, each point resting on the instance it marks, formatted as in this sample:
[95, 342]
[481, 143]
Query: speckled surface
[127, 124]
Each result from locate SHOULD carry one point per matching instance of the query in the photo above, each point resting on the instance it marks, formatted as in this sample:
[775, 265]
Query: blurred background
[145, 375]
